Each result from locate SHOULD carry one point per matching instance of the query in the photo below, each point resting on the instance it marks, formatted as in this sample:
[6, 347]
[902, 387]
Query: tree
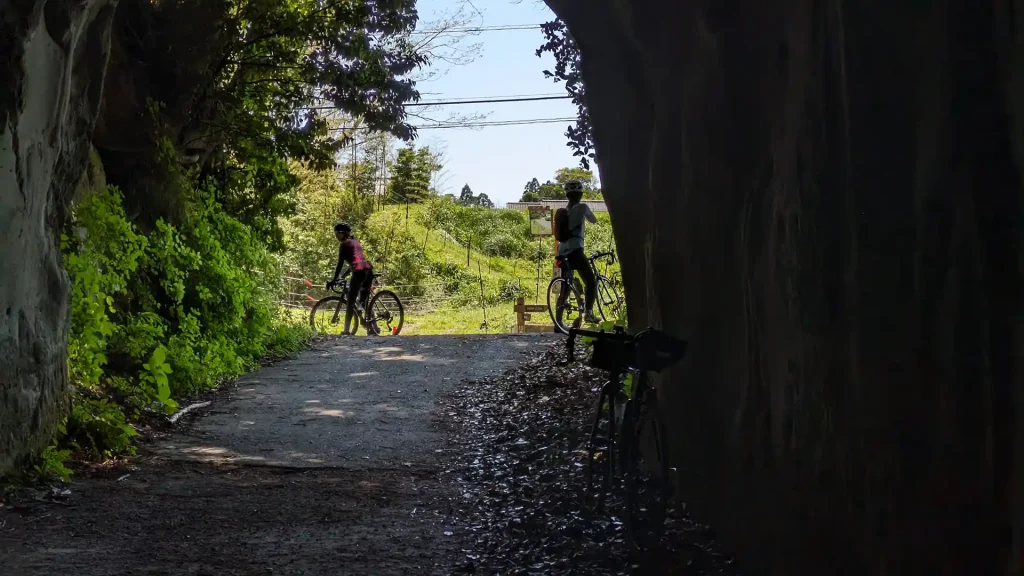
[466, 197]
[584, 176]
[551, 191]
[262, 91]
[532, 188]
[484, 202]
[554, 190]
[411, 173]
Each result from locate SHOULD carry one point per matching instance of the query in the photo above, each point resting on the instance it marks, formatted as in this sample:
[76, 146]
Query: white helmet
[573, 187]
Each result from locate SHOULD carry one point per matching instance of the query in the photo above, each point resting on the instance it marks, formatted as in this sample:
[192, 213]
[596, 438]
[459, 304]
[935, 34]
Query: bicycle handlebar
[599, 255]
[649, 349]
[618, 336]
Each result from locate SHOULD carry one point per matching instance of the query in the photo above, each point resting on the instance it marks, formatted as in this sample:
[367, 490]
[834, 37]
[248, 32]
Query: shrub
[50, 465]
[510, 290]
[101, 251]
[99, 429]
[161, 316]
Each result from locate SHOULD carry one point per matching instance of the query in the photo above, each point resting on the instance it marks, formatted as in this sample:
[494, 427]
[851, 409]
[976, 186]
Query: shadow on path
[324, 464]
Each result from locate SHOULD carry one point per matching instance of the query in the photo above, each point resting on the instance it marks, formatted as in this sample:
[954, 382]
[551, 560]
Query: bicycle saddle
[656, 350]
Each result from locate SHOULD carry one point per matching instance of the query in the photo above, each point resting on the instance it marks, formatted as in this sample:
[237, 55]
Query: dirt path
[325, 464]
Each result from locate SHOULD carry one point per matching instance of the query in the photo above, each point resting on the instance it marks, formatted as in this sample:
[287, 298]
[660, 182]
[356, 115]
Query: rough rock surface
[825, 199]
[52, 60]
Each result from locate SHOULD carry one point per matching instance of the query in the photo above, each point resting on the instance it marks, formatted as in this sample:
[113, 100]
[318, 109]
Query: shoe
[346, 333]
[591, 319]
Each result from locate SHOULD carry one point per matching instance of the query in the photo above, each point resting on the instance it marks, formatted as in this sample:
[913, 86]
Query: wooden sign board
[523, 314]
[541, 221]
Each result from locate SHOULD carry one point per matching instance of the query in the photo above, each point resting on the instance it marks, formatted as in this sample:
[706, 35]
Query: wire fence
[429, 308]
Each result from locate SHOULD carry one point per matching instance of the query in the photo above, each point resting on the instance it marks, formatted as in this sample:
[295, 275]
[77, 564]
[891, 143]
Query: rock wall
[52, 59]
[825, 199]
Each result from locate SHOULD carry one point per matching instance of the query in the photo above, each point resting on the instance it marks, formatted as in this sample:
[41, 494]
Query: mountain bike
[628, 420]
[383, 315]
[565, 295]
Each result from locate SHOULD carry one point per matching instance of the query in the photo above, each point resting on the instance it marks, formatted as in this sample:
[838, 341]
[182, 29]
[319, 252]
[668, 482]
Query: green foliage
[599, 236]
[395, 253]
[455, 278]
[322, 199]
[161, 316]
[287, 336]
[51, 464]
[534, 191]
[99, 429]
[411, 174]
[510, 290]
[265, 88]
[101, 251]
[503, 233]
[155, 375]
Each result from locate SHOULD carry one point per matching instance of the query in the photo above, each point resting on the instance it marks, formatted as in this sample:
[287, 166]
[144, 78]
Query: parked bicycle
[565, 295]
[383, 315]
[628, 437]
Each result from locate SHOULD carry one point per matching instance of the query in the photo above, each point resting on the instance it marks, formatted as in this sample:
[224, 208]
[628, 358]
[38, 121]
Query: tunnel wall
[825, 199]
[52, 59]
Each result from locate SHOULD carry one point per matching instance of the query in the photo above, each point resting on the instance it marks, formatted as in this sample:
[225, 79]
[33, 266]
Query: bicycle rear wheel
[647, 472]
[600, 463]
[385, 315]
[565, 304]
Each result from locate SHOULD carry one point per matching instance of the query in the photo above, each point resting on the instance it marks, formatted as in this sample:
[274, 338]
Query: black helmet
[343, 227]
[573, 188]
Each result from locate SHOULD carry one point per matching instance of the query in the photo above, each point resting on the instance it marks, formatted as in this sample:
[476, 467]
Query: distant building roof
[595, 205]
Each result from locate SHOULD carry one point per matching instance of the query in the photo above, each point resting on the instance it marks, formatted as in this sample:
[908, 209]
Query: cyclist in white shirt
[572, 248]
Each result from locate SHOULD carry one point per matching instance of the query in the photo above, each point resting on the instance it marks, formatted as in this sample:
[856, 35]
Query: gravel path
[328, 463]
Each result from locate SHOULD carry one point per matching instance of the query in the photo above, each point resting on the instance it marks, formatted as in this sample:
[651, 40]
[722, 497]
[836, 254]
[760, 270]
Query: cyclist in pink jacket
[351, 252]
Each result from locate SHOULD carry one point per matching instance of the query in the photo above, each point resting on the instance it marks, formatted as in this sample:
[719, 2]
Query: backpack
[562, 231]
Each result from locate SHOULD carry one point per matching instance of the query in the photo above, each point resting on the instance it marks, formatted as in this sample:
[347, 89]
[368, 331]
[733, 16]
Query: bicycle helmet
[343, 227]
[573, 187]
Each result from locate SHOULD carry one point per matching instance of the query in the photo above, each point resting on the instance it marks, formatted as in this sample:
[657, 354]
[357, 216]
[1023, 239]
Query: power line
[456, 102]
[489, 101]
[469, 29]
[481, 124]
[497, 96]
[494, 123]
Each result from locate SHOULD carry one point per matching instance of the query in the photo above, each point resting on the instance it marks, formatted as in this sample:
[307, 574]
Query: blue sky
[498, 160]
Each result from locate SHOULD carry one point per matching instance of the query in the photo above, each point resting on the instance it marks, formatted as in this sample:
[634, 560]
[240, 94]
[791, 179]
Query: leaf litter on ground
[519, 474]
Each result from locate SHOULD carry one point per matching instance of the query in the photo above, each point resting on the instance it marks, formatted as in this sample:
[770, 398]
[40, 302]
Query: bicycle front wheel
[647, 472]
[565, 304]
[608, 300]
[385, 315]
[600, 464]
[328, 315]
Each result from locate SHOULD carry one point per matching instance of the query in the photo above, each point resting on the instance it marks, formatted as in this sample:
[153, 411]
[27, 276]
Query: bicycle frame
[603, 284]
